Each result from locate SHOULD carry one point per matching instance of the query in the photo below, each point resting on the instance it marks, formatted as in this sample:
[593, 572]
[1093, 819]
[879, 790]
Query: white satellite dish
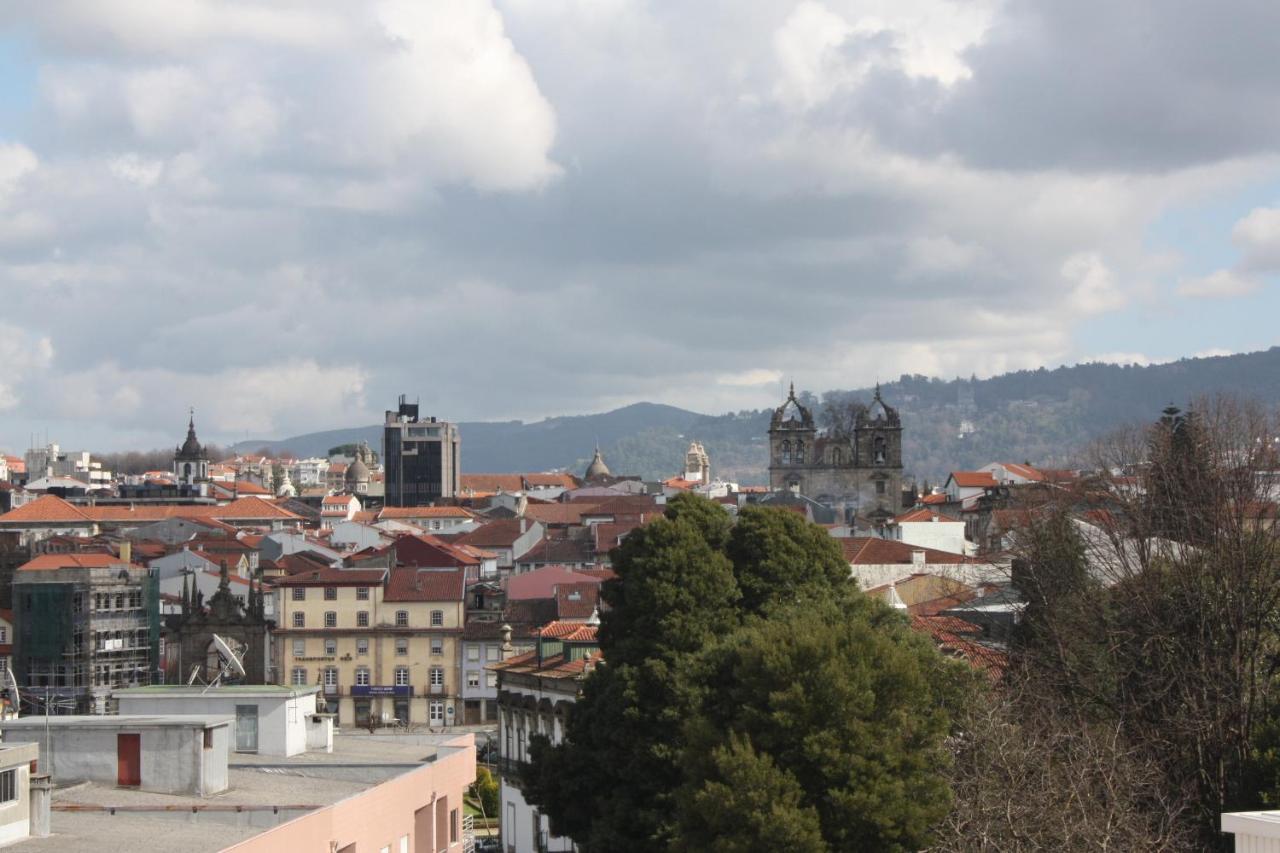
[195, 673]
[13, 689]
[231, 667]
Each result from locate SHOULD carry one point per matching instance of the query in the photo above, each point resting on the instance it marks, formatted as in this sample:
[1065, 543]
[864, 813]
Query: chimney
[917, 557]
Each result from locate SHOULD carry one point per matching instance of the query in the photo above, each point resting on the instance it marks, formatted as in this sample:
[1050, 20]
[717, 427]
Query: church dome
[357, 472]
[597, 468]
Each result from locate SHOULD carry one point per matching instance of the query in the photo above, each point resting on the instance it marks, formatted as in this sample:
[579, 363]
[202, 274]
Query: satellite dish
[195, 673]
[13, 689]
[230, 658]
[231, 665]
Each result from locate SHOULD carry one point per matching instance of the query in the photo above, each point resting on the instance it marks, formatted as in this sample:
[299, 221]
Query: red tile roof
[47, 562]
[924, 514]
[332, 577]
[872, 551]
[973, 479]
[569, 632]
[401, 512]
[410, 584]
[499, 533]
[542, 583]
[939, 498]
[46, 509]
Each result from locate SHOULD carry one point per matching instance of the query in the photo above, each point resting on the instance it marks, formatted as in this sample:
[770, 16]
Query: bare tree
[1154, 600]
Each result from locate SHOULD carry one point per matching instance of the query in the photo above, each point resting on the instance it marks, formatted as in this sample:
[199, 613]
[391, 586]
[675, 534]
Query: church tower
[791, 445]
[190, 462]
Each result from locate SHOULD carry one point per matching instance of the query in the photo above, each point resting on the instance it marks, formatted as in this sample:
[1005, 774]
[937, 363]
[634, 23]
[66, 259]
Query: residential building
[929, 527]
[381, 642]
[86, 624]
[420, 456]
[535, 689]
[17, 763]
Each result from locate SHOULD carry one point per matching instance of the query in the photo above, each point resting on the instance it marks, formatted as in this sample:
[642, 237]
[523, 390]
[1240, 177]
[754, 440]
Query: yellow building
[382, 642]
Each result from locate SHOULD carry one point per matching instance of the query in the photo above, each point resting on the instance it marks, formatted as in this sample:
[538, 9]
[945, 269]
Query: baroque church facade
[859, 473]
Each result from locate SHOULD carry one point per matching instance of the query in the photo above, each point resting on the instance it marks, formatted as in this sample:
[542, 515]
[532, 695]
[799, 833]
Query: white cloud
[1093, 289]
[749, 378]
[1222, 284]
[21, 355]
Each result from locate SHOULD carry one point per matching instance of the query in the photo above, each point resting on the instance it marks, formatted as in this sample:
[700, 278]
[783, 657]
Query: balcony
[435, 690]
[333, 690]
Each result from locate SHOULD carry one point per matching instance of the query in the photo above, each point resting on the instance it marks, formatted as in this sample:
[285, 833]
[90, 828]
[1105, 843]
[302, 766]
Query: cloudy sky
[285, 214]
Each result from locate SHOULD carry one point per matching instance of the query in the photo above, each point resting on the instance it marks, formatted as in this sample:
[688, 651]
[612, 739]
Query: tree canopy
[748, 685]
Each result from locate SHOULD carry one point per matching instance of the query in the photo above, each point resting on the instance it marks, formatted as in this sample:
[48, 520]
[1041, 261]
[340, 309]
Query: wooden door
[129, 760]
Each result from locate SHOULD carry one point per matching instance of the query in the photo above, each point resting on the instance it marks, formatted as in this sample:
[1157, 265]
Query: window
[836, 457]
[331, 676]
[437, 618]
[453, 826]
[437, 675]
[786, 453]
[4, 635]
[8, 786]
[362, 619]
[473, 678]
[330, 647]
[437, 646]
[299, 648]
[799, 452]
[299, 619]
[473, 653]
[492, 653]
[402, 618]
[402, 646]
[436, 713]
[362, 646]
[362, 593]
[491, 679]
[299, 676]
[330, 619]
[330, 593]
[299, 593]
[362, 676]
[402, 676]
[879, 487]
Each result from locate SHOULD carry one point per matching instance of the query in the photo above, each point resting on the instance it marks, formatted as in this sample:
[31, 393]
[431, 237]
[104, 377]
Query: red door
[129, 760]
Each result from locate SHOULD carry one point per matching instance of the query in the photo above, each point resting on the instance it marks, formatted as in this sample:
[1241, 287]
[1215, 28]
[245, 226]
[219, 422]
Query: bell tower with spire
[190, 462]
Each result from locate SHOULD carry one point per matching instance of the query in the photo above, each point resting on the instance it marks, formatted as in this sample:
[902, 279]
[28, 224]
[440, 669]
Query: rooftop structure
[371, 793]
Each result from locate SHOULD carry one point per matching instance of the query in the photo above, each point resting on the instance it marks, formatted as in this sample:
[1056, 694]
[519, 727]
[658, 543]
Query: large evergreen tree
[745, 676]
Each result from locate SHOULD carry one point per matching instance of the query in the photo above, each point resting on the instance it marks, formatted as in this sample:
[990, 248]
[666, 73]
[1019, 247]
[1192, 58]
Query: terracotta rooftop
[409, 512]
[973, 479]
[870, 550]
[47, 562]
[412, 584]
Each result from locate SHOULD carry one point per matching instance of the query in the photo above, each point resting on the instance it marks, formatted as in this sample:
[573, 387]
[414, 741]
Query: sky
[284, 214]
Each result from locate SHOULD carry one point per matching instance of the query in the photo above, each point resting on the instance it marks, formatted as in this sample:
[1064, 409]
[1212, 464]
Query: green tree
[745, 798]
[611, 784]
[485, 789]
[845, 698]
[840, 708]
[779, 557]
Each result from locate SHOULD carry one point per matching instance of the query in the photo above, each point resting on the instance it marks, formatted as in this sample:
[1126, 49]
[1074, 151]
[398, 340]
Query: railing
[333, 690]
[468, 833]
[435, 689]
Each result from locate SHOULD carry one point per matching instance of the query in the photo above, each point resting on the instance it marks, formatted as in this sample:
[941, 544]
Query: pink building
[416, 812]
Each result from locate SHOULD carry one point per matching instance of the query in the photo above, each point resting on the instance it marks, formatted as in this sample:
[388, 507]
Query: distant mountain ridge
[1043, 416]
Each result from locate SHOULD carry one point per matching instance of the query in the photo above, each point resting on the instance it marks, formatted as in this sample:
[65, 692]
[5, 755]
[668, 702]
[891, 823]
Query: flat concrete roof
[119, 721]
[220, 690]
[81, 822]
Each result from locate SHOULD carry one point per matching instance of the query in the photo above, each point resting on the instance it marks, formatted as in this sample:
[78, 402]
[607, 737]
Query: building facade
[382, 643]
[535, 691]
[420, 456]
[858, 472]
[86, 624]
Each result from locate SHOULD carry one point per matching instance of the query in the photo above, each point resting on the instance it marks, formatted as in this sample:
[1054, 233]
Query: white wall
[282, 720]
[940, 535]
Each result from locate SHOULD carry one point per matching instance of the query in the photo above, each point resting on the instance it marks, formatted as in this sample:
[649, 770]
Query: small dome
[357, 472]
[597, 468]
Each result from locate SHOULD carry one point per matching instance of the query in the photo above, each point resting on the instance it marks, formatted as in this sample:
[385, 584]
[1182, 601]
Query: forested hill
[1041, 416]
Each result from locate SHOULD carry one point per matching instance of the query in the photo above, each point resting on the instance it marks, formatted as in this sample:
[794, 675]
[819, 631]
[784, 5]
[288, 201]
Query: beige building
[382, 643]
